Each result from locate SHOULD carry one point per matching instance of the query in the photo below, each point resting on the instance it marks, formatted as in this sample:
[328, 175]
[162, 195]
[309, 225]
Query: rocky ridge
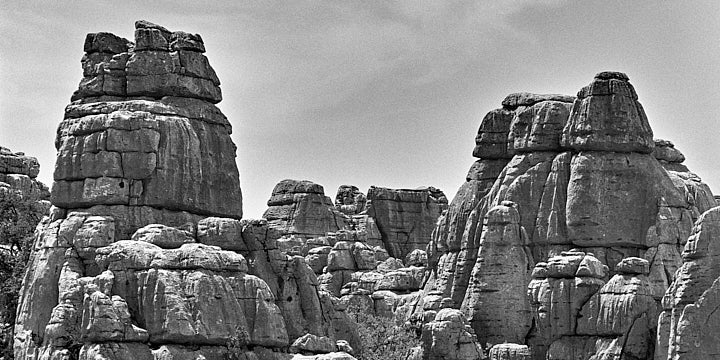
[586, 180]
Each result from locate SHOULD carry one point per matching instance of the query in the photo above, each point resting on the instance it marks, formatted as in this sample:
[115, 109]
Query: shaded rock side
[689, 322]
[405, 218]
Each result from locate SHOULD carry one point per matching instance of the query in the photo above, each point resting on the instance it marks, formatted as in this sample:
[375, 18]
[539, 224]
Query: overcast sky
[378, 92]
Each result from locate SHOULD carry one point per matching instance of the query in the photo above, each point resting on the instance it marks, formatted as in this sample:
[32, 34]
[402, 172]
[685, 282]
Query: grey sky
[377, 92]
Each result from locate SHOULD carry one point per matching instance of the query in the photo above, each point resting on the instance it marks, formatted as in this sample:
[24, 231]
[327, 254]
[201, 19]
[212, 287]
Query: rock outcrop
[18, 172]
[585, 174]
[301, 208]
[144, 254]
[448, 336]
[689, 323]
[406, 218]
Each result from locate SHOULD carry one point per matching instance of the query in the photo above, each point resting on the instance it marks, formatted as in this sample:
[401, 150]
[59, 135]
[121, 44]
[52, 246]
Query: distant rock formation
[18, 172]
[405, 217]
[583, 173]
[144, 254]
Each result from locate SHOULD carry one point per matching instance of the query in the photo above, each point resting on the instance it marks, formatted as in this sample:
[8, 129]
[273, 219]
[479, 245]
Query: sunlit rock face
[145, 254]
[586, 175]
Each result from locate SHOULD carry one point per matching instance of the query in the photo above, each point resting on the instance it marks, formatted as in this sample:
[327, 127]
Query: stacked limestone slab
[144, 254]
[585, 175]
[18, 172]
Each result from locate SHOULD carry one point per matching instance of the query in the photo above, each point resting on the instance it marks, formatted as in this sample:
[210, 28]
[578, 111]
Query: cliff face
[584, 174]
[144, 254]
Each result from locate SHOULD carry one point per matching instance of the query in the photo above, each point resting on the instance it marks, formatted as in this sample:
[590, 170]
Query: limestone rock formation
[142, 130]
[18, 172]
[448, 336]
[144, 254]
[608, 117]
[585, 175]
[405, 217]
[689, 321]
[495, 302]
[301, 208]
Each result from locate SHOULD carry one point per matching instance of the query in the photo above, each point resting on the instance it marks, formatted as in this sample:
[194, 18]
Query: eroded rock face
[405, 218]
[607, 116]
[128, 265]
[448, 336]
[496, 303]
[18, 172]
[142, 129]
[301, 208]
[584, 177]
[689, 321]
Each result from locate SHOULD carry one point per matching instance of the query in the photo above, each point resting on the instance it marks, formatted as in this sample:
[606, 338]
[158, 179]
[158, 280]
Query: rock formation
[689, 323]
[584, 174]
[18, 172]
[405, 217]
[144, 254]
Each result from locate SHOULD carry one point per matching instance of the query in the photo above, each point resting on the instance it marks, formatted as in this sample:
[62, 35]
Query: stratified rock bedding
[144, 254]
[572, 232]
[588, 182]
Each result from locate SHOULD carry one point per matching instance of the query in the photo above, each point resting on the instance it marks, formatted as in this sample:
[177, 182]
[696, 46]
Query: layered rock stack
[346, 249]
[18, 172]
[144, 254]
[585, 174]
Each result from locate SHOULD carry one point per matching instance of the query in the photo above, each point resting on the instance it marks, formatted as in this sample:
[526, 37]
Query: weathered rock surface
[495, 302]
[607, 116]
[128, 265]
[689, 322]
[18, 172]
[448, 336]
[405, 218]
[301, 208]
[587, 177]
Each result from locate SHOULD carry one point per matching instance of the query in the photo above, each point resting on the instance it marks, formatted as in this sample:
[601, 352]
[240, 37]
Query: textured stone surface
[509, 351]
[492, 137]
[405, 218]
[689, 323]
[515, 100]
[606, 116]
[447, 336]
[18, 172]
[129, 265]
[350, 200]
[301, 208]
[538, 127]
[140, 152]
[496, 303]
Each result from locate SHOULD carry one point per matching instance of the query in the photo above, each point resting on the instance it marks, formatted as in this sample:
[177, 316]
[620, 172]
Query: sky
[383, 93]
